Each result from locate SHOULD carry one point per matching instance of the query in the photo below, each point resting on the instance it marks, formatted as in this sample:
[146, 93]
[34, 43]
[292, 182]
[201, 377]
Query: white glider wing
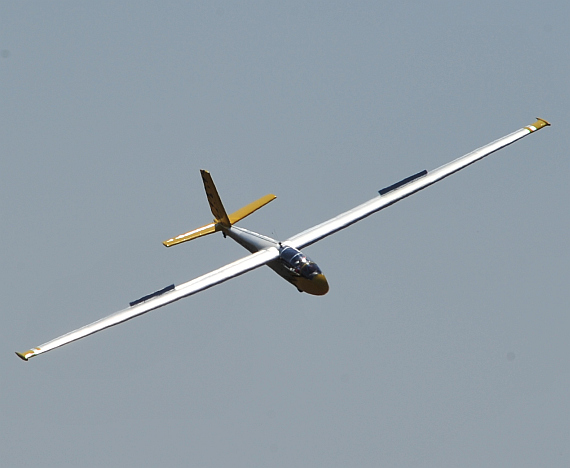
[405, 188]
[160, 298]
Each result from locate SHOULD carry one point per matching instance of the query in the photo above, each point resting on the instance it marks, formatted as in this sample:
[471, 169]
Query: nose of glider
[318, 285]
[323, 284]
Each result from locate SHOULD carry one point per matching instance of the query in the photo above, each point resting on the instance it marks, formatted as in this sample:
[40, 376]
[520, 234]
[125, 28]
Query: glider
[285, 258]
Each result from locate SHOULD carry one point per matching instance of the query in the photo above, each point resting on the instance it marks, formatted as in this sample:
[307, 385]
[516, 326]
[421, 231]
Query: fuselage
[292, 264]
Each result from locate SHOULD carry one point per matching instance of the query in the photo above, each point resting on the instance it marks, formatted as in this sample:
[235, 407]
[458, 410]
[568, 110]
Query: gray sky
[444, 338]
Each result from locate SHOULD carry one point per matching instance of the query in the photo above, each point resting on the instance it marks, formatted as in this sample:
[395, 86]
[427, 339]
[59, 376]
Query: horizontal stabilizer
[252, 207]
[201, 231]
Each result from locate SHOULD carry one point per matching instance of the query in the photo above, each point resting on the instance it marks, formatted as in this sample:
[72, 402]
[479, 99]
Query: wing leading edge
[405, 188]
[161, 298]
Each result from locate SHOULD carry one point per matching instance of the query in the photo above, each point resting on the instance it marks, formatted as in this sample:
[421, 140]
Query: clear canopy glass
[298, 263]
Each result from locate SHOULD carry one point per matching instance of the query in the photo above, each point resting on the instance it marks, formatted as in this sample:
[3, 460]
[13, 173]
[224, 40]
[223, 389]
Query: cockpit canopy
[298, 263]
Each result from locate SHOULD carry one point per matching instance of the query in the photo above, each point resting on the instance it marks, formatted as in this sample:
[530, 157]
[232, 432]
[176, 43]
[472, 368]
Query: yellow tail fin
[218, 210]
[221, 218]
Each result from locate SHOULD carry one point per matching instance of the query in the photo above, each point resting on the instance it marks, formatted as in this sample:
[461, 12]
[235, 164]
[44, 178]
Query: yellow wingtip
[25, 355]
[540, 123]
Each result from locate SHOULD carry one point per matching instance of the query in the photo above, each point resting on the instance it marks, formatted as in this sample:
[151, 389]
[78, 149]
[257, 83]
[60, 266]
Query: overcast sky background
[444, 338]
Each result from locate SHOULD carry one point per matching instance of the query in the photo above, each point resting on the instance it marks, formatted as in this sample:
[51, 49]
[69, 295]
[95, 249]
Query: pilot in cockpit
[298, 263]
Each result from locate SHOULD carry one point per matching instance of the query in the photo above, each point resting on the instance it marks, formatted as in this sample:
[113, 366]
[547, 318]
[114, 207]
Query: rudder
[218, 210]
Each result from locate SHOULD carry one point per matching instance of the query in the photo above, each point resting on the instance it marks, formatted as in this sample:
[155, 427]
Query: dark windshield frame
[298, 263]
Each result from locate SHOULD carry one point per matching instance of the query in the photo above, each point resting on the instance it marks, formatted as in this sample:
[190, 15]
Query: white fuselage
[314, 283]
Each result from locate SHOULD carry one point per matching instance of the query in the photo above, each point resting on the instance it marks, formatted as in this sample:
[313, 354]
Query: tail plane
[221, 218]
